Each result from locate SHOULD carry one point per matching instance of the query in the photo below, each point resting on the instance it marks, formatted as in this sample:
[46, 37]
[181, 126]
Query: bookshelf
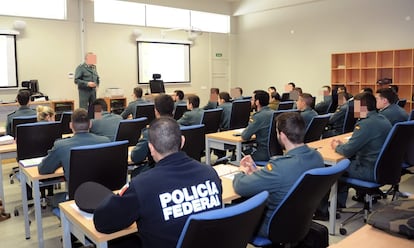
[116, 104]
[357, 70]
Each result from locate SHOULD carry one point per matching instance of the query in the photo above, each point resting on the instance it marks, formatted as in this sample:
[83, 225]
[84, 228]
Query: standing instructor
[87, 79]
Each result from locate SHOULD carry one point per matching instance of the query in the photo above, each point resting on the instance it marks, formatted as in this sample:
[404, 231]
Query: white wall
[267, 53]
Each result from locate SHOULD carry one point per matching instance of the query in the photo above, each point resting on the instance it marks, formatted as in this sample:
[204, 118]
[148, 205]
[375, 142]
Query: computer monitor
[32, 86]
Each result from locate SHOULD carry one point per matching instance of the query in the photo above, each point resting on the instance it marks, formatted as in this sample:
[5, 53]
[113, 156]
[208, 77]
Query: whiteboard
[8, 61]
[170, 59]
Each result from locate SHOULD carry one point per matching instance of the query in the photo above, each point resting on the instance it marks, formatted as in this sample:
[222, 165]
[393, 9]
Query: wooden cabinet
[61, 106]
[116, 104]
[357, 70]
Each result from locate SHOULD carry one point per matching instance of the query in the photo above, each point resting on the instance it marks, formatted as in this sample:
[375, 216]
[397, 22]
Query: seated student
[59, 155]
[132, 106]
[237, 93]
[163, 107]
[160, 200]
[226, 105]
[259, 125]
[212, 103]
[287, 95]
[107, 123]
[323, 106]
[192, 117]
[386, 103]
[274, 101]
[304, 104]
[278, 176]
[178, 98]
[272, 90]
[23, 98]
[337, 119]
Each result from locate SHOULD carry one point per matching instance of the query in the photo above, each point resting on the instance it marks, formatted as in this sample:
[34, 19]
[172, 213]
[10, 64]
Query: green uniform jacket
[308, 115]
[259, 126]
[277, 177]
[85, 74]
[22, 111]
[107, 125]
[192, 117]
[225, 115]
[394, 113]
[365, 145]
[132, 108]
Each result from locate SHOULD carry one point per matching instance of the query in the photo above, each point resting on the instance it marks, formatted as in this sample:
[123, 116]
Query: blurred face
[381, 101]
[300, 103]
[174, 97]
[360, 111]
[90, 59]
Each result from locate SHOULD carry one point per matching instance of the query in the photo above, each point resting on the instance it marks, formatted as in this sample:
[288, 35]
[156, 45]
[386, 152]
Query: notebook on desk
[225, 169]
[31, 161]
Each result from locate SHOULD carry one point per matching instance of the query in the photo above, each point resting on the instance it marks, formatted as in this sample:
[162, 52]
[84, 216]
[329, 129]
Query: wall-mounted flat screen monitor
[171, 60]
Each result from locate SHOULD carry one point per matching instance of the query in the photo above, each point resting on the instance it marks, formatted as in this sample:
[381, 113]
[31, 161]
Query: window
[131, 13]
[119, 12]
[49, 9]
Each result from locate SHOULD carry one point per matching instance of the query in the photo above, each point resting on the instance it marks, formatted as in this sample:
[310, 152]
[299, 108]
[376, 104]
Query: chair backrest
[411, 117]
[349, 119]
[105, 163]
[334, 103]
[65, 119]
[21, 120]
[285, 97]
[402, 102]
[194, 140]
[316, 127]
[274, 146]
[285, 105]
[130, 129]
[180, 109]
[291, 220]
[211, 119]
[35, 139]
[145, 110]
[226, 227]
[240, 114]
[388, 164]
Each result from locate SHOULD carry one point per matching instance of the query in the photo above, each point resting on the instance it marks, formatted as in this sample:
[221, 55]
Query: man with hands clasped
[281, 172]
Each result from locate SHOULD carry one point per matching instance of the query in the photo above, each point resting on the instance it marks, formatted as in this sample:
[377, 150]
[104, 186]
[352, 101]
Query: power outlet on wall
[70, 75]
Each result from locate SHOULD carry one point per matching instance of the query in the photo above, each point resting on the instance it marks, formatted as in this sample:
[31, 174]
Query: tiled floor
[12, 230]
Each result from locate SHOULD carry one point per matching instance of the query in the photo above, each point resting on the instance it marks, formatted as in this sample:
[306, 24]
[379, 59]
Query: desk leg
[67, 242]
[1, 185]
[208, 158]
[23, 182]
[38, 212]
[239, 151]
[332, 208]
[102, 245]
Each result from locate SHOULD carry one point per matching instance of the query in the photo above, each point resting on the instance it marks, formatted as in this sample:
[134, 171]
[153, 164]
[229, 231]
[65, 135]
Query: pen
[254, 165]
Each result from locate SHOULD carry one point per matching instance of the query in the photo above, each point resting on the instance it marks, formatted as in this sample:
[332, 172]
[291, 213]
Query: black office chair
[240, 114]
[349, 120]
[21, 120]
[387, 169]
[194, 140]
[402, 102]
[180, 109]
[286, 105]
[291, 220]
[211, 120]
[316, 128]
[34, 140]
[105, 164]
[145, 110]
[65, 119]
[226, 227]
[130, 129]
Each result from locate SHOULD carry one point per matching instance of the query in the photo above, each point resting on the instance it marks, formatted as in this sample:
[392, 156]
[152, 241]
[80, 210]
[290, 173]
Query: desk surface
[33, 173]
[368, 236]
[323, 146]
[227, 136]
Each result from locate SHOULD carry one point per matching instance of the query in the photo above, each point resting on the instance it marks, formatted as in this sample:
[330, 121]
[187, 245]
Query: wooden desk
[330, 157]
[75, 222]
[219, 141]
[79, 225]
[6, 152]
[30, 175]
[368, 236]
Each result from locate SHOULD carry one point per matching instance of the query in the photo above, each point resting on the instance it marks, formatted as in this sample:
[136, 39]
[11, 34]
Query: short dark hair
[262, 96]
[138, 92]
[240, 89]
[273, 88]
[394, 88]
[164, 104]
[165, 135]
[292, 84]
[307, 98]
[100, 102]
[276, 96]
[194, 100]
[292, 125]
[389, 94]
[344, 94]
[225, 96]
[214, 90]
[343, 87]
[368, 100]
[327, 87]
[180, 94]
[23, 97]
[367, 90]
[80, 120]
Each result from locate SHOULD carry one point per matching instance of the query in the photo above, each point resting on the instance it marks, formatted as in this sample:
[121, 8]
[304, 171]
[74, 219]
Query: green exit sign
[219, 55]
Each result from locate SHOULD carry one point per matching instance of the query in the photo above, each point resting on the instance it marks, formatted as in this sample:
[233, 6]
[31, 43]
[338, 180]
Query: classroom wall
[268, 53]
